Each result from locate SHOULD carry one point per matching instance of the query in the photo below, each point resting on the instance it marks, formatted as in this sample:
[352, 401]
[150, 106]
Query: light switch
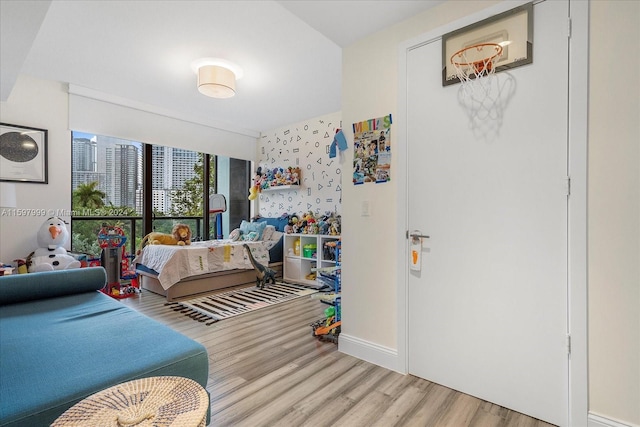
[365, 208]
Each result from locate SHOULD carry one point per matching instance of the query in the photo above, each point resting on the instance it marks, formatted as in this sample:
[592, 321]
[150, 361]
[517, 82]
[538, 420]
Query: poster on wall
[372, 150]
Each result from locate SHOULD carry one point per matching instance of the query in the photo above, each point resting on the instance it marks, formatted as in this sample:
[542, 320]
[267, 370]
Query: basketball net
[481, 94]
[475, 65]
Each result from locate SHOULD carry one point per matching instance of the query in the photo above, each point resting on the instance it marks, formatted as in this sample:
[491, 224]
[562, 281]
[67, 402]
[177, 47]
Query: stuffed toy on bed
[180, 235]
[51, 254]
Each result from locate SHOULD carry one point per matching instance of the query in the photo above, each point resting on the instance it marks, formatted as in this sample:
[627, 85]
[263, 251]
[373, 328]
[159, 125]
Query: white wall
[614, 211]
[369, 288]
[41, 104]
[94, 112]
[370, 261]
[304, 145]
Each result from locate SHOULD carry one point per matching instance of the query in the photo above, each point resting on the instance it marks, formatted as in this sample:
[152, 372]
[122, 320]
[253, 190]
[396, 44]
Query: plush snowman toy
[51, 254]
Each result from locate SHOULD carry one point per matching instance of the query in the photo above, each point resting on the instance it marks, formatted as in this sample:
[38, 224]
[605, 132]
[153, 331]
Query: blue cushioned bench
[61, 341]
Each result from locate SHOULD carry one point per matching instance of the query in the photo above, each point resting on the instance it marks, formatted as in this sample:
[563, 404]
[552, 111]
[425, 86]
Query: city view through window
[107, 188]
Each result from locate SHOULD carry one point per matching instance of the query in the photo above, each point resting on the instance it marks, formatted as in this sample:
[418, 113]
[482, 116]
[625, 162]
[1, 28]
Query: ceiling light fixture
[216, 77]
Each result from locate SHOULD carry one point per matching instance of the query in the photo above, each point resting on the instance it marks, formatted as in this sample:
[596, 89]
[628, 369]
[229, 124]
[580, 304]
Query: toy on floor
[6, 269]
[21, 265]
[115, 261]
[263, 274]
[327, 329]
[51, 255]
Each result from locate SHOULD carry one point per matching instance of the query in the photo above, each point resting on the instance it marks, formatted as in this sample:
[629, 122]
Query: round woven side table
[147, 402]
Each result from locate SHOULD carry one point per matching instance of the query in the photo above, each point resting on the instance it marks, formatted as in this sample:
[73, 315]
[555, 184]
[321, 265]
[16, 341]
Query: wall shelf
[280, 187]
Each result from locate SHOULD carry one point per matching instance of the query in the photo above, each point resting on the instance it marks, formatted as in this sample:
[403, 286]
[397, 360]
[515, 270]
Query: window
[107, 188]
[178, 183]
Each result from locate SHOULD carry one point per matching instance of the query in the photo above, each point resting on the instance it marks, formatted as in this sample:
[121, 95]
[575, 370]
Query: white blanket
[174, 263]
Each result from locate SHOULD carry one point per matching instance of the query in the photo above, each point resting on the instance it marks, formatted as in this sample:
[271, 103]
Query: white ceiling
[141, 51]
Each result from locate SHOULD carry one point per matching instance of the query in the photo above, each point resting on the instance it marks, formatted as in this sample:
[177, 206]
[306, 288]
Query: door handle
[416, 235]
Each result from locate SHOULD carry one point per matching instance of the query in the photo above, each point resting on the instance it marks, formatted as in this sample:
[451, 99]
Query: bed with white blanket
[178, 271]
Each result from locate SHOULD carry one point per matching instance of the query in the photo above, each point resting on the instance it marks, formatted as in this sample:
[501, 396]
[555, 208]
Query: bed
[180, 271]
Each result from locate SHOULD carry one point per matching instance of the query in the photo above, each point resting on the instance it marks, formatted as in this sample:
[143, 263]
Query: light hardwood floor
[266, 369]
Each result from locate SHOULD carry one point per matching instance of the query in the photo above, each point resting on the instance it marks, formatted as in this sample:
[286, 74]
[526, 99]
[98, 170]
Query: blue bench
[62, 341]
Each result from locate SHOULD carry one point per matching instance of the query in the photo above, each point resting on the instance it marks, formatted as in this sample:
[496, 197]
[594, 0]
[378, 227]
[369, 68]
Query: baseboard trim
[371, 352]
[388, 358]
[596, 420]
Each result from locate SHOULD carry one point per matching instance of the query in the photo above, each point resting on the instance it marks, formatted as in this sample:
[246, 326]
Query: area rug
[215, 307]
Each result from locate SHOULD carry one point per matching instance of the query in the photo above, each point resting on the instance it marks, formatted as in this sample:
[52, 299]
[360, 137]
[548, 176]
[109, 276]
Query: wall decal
[282, 147]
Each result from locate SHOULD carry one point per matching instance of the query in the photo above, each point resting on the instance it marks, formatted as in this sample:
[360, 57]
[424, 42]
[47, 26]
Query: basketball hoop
[481, 94]
[475, 67]
[476, 62]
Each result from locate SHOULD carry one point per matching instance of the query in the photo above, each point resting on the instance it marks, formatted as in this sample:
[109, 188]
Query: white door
[488, 311]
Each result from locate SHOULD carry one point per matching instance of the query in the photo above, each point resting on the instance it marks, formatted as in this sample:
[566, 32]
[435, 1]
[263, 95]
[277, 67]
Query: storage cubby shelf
[298, 266]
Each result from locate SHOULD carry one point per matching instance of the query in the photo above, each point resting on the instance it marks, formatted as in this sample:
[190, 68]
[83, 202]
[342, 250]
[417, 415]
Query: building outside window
[107, 188]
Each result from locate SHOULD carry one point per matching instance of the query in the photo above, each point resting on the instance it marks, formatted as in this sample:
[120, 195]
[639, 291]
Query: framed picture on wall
[508, 34]
[23, 154]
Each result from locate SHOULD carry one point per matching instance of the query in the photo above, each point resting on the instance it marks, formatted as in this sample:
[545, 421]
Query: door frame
[578, 29]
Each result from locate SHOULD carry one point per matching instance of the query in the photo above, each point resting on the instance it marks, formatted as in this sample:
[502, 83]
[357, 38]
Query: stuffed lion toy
[180, 235]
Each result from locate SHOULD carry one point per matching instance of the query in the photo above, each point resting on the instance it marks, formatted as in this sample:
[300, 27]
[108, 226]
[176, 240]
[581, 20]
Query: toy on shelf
[266, 179]
[328, 329]
[309, 223]
[278, 177]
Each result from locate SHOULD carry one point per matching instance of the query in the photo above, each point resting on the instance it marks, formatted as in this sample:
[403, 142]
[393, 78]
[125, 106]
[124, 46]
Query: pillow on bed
[235, 235]
[276, 236]
[258, 227]
[251, 236]
[268, 232]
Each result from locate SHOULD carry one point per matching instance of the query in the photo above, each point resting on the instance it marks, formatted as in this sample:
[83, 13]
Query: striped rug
[214, 307]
